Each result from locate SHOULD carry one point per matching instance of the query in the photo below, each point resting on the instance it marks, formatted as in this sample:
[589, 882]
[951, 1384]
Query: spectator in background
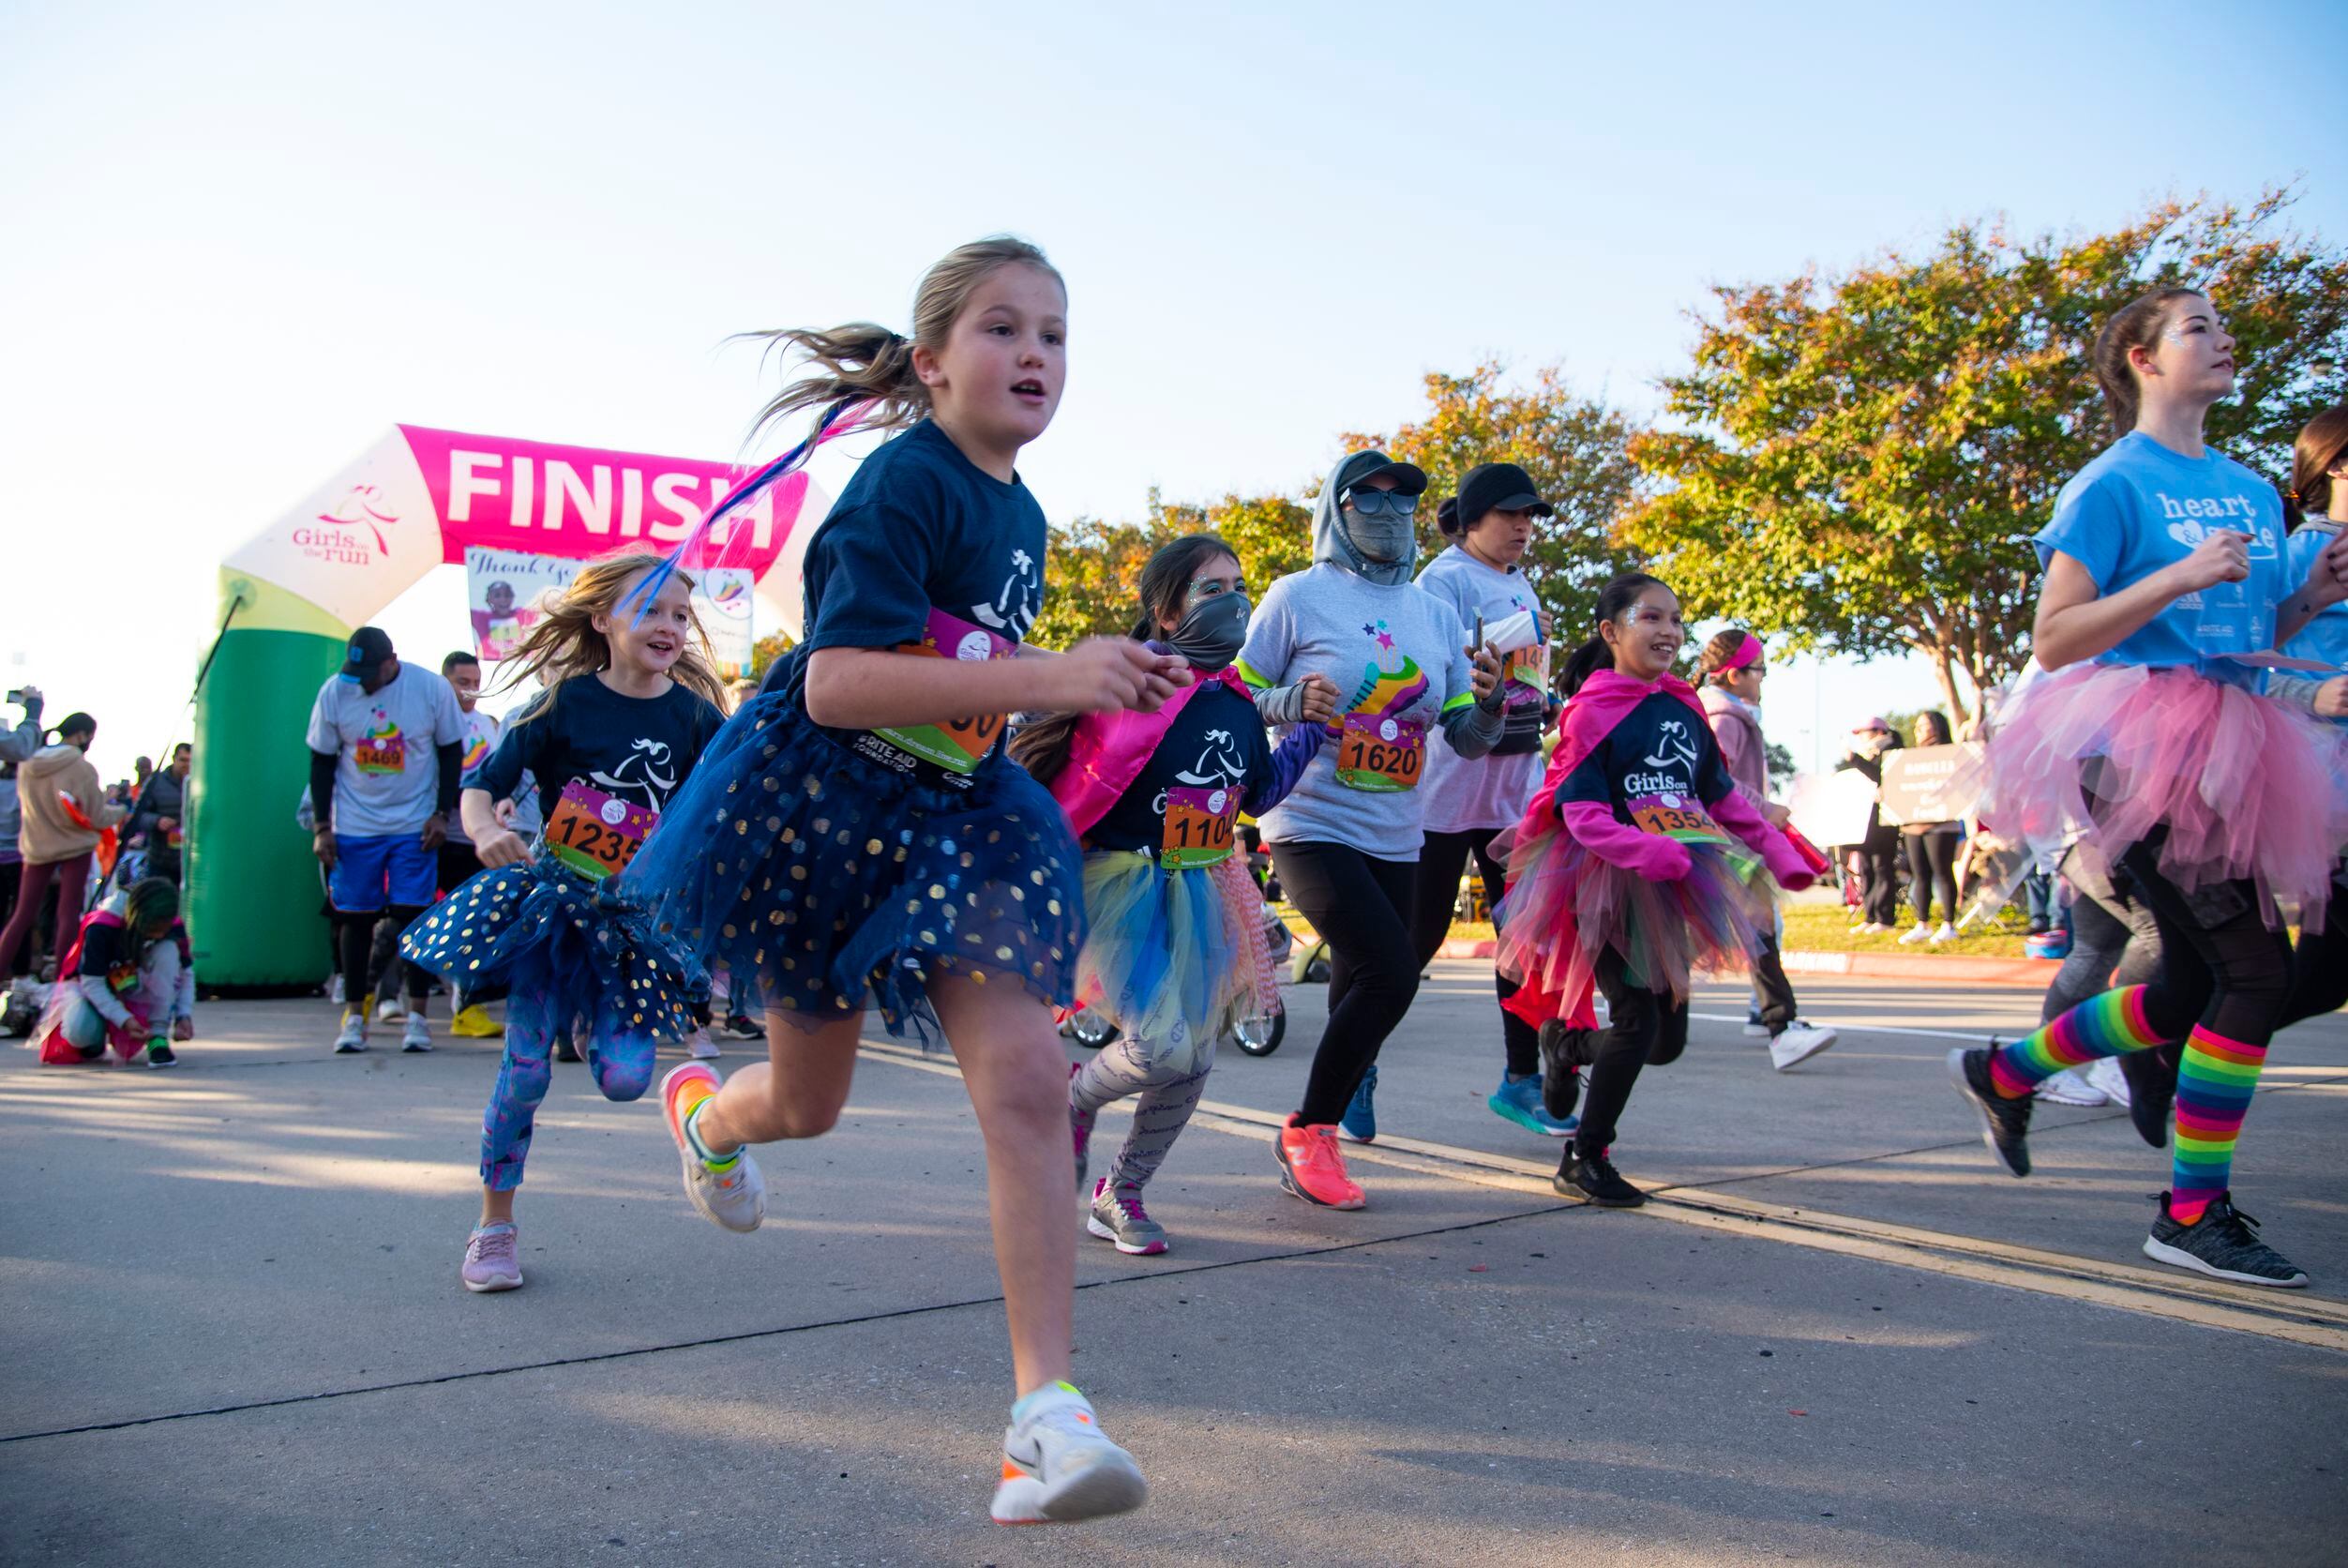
[1932, 855]
[16, 745]
[61, 810]
[1879, 851]
[458, 863]
[158, 821]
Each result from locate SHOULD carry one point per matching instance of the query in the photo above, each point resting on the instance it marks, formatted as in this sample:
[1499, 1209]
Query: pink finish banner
[498, 493]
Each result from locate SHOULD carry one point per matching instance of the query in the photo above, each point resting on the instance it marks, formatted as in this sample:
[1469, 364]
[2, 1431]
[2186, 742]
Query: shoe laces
[495, 1245]
[1601, 1168]
[1128, 1200]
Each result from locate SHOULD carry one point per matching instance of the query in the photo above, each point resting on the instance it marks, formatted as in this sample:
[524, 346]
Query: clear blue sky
[245, 239]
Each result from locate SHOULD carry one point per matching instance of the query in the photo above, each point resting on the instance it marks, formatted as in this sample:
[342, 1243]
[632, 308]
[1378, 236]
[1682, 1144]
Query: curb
[2033, 973]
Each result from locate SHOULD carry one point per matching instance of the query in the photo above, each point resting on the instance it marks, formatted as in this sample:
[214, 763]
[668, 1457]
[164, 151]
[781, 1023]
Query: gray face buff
[1379, 524]
[1212, 630]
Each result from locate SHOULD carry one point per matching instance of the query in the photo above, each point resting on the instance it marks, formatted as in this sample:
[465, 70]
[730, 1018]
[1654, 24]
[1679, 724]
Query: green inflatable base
[253, 887]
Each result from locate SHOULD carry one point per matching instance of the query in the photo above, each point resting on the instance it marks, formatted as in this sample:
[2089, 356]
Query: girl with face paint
[1350, 644]
[1175, 956]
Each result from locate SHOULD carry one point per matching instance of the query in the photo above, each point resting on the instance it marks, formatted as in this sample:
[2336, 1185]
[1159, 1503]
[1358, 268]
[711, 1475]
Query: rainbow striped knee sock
[2106, 1025]
[2213, 1093]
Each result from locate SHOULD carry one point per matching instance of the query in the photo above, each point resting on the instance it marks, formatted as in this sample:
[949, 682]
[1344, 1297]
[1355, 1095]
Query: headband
[1750, 651]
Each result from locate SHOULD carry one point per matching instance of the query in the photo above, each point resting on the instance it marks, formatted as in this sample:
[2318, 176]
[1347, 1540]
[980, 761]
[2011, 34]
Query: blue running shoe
[1360, 1121]
[1518, 1099]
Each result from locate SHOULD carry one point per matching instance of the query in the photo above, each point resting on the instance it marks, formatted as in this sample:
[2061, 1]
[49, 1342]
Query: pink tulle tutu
[1566, 906]
[2247, 789]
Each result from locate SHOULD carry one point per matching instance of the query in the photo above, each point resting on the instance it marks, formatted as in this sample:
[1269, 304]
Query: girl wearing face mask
[2151, 743]
[1392, 671]
[1176, 955]
[1471, 800]
[1622, 879]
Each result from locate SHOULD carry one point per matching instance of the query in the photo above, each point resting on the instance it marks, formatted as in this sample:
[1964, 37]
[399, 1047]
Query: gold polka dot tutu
[545, 930]
[825, 874]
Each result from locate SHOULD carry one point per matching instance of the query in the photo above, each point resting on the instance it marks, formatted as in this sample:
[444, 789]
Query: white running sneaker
[701, 1047]
[394, 1009]
[1917, 935]
[2105, 1077]
[1946, 933]
[353, 1039]
[1058, 1466]
[334, 989]
[735, 1199]
[2069, 1087]
[418, 1035]
[1800, 1041]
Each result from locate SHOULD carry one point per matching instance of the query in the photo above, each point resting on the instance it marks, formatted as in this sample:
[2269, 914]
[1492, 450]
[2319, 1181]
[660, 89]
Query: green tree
[1575, 449]
[765, 651]
[1096, 567]
[1863, 460]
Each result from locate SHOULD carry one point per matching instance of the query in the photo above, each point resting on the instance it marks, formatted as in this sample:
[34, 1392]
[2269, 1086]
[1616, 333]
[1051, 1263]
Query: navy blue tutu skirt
[825, 875]
[545, 930]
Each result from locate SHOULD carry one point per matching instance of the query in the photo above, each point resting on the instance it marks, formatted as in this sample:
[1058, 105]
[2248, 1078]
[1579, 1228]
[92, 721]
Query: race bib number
[1198, 828]
[1681, 817]
[1382, 756]
[381, 754]
[594, 834]
[959, 744]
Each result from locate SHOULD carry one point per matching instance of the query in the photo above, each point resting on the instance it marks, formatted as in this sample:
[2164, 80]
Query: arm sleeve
[143, 820]
[448, 719]
[1472, 729]
[873, 566]
[1731, 738]
[2292, 691]
[1284, 769]
[322, 766]
[1650, 854]
[99, 995]
[18, 745]
[99, 949]
[2089, 525]
[1263, 661]
[450, 755]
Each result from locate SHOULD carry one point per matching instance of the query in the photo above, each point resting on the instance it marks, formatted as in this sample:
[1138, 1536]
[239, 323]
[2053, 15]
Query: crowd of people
[919, 813]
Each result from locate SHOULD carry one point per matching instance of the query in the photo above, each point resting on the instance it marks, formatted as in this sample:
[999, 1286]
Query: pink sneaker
[491, 1260]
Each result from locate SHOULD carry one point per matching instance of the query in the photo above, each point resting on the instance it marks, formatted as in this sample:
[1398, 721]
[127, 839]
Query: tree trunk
[1944, 665]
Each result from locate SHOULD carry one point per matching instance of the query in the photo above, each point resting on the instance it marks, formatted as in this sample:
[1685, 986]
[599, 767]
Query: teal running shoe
[1360, 1121]
[1518, 1100]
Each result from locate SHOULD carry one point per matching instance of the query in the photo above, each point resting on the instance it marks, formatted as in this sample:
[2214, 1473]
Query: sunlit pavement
[234, 1332]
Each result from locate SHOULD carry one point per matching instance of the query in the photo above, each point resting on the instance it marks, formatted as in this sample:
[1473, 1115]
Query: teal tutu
[824, 875]
[1173, 958]
[545, 930]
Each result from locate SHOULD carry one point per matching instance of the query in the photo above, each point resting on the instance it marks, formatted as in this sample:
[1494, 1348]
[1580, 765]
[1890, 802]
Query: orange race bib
[1381, 756]
[959, 744]
[594, 834]
[1681, 817]
[1198, 828]
[381, 754]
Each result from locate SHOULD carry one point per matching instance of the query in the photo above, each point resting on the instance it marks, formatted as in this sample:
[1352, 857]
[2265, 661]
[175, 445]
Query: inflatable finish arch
[291, 598]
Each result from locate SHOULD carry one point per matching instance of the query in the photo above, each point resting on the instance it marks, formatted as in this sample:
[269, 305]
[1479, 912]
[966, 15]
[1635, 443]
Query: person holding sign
[1469, 801]
[2166, 591]
[857, 829]
[1354, 627]
[1176, 957]
[1634, 867]
[1932, 854]
[629, 705]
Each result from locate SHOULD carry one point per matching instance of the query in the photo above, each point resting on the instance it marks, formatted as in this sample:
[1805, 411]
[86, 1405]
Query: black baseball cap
[1410, 478]
[1501, 486]
[370, 646]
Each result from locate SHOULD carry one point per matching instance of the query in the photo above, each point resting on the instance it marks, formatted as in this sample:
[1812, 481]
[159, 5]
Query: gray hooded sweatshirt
[1394, 652]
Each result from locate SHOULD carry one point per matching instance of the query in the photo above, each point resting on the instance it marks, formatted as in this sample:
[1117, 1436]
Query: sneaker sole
[1567, 1189]
[1989, 1124]
[1108, 1234]
[1820, 1048]
[342, 1049]
[1093, 1493]
[490, 1287]
[1296, 1188]
[415, 1048]
[1524, 1118]
[2161, 1252]
[687, 1161]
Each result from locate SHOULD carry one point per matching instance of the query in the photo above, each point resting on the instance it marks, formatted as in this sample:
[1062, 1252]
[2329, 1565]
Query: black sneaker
[1593, 1179]
[2151, 1091]
[741, 1026]
[2004, 1123]
[159, 1054]
[565, 1049]
[2222, 1244]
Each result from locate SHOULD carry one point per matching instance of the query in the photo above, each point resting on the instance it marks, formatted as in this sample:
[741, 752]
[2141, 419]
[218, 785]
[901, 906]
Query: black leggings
[2320, 967]
[1361, 906]
[1641, 1026]
[2114, 940]
[362, 969]
[2222, 967]
[1879, 878]
[1931, 862]
[1442, 856]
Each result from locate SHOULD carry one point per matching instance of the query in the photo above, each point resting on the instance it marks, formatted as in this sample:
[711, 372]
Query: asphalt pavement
[235, 1333]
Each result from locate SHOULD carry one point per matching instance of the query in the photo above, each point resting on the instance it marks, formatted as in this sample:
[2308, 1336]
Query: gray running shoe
[1118, 1216]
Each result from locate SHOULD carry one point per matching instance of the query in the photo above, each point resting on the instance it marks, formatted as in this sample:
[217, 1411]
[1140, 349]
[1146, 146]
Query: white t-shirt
[386, 773]
[482, 731]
